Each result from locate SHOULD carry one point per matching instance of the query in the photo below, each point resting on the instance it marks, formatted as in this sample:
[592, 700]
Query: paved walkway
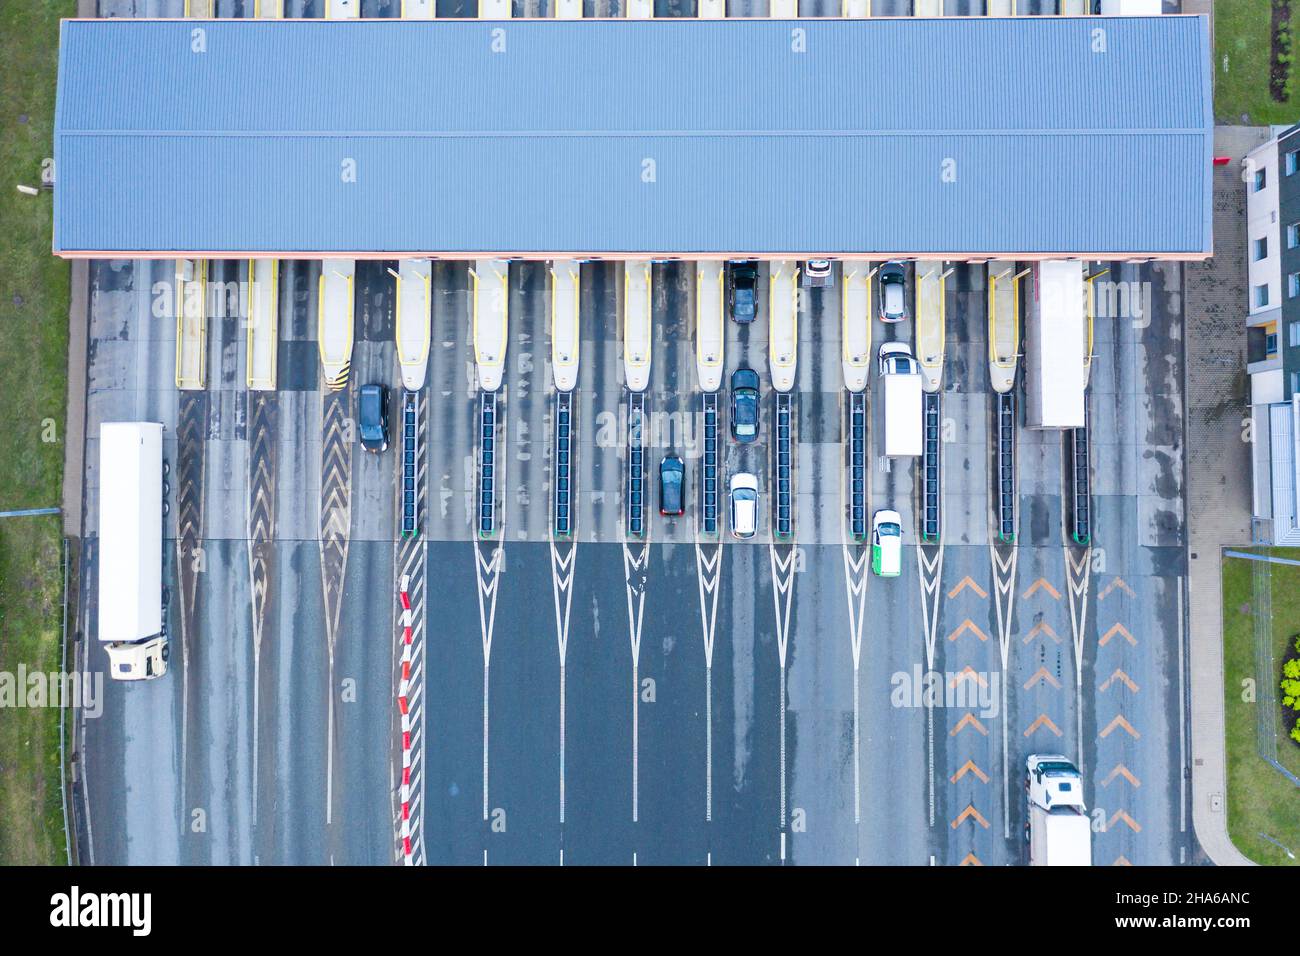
[1218, 476]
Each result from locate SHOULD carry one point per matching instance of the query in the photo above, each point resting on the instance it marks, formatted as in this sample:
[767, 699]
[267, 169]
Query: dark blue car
[744, 405]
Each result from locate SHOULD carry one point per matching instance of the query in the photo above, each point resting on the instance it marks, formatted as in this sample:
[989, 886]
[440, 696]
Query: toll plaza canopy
[955, 138]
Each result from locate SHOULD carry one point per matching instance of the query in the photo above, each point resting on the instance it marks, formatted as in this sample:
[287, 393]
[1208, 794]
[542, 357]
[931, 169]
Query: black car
[744, 405]
[742, 285]
[672, 486]
[374, 417]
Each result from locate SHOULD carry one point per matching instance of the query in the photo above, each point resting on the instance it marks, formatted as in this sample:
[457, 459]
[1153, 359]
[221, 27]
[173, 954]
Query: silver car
[893, 302]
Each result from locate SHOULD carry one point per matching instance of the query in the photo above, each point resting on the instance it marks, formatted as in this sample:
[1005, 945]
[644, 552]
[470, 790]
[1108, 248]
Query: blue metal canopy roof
[954, 137]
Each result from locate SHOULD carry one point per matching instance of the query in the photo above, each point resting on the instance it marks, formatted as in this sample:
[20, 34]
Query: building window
[1261, 295]
[1270, 343]
[1293, 235]
[1293, 285]
[1260, 178]
[1261, 248]
[1292, 161]
[1295, 382]
[1293, 333]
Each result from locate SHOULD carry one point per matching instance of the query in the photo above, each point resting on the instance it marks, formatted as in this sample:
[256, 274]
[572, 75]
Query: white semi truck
[1054, 346]
[1060, 833]
[901, 378]
[130, 549]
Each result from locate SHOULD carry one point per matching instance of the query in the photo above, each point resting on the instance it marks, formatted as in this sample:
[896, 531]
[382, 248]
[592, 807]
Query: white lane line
[1004, 596]
[930, 572]
[635, 570]
[563, 565]
[855, 586]
[708, 572]
[782, 595]
[1078, 579]
[1182, 713]
[488, 575]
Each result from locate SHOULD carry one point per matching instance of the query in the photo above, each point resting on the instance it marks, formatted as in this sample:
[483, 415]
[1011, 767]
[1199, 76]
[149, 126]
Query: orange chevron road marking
[1046, 586]
[1042, 627]
[967, 625]
[1121, 815]
[1119, 721]
[968, 673]
[1119, 629]
[1043, 721]
[1121, 771]
[969, 720]
[1120, 676]
[970, 859]
[1121, 860]
[967, 582]
[970, 813]
[1042, 675]
[1116, 582]
[969, 767]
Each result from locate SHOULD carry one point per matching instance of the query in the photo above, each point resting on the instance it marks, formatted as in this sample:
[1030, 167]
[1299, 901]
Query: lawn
[1260, 800]
[33, 398]
[1244, 52]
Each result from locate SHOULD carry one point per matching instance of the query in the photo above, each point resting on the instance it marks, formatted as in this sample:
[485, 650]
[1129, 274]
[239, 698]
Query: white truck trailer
[901, 378]
[1054, 344]
[1060, 833]
[130, 549]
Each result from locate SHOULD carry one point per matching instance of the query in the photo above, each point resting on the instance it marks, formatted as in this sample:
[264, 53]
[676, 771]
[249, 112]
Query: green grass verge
[1260, 800]
[1243, 36]
[33, 405]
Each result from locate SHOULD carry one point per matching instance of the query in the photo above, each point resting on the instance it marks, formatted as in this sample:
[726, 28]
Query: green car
[887, 544]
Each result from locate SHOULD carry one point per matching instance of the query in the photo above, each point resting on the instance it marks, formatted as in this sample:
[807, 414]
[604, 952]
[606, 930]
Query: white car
[887, 544]
[893, 303]
[817, 273]
[744, 504]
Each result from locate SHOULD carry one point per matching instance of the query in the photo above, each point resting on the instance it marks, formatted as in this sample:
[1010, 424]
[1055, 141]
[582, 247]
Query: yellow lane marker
[970, 813]
[968, 625]
[969, 767]
[1119, 721]
[1121, 815]
[968, 673]
[1042, 675]
[1117, 629]
[1043, 721]
[1042, 627]
[1121, 771]
[1042, 583]
[1116, 582]
[966, 582]
[1120, 676]
[970, 720]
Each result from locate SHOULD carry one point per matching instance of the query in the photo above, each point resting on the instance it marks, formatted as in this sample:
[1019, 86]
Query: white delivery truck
[1060, 833]
[1054, 346]
[901, 378]
[130, 549]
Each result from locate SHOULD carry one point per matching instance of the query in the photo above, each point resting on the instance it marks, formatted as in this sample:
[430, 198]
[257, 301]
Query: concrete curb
[74, 435]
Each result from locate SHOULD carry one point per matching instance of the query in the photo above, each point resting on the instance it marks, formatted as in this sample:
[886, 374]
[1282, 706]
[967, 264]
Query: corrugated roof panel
[842, 148]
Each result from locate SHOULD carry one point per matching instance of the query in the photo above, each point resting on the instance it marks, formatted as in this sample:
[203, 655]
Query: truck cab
[1059, 831]
[138, 661]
